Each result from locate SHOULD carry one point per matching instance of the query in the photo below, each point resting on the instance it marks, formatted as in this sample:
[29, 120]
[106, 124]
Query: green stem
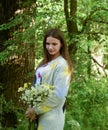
[31, 125]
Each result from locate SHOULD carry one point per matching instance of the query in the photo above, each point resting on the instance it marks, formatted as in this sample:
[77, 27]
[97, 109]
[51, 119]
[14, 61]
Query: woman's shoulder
[62, 59]
[61, 62]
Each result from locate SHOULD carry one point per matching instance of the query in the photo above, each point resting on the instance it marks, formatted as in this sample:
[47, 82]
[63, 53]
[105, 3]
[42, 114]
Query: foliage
[14, 54]
[87, 103]
[21, 33]
[49, 13]
[11, 116]
[87, 100]
[7, 111]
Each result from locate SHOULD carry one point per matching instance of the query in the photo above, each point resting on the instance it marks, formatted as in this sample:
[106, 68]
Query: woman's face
[53, 46]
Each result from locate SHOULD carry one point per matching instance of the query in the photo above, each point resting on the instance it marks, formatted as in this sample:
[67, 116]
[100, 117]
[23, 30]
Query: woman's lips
[51, 51]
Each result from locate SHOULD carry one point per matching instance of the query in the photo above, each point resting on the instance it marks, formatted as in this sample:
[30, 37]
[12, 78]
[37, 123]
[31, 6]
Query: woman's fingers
[32, 119]
[30, 113]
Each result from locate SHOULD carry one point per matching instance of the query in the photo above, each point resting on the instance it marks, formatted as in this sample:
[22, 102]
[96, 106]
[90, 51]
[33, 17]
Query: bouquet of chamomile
[36, 94]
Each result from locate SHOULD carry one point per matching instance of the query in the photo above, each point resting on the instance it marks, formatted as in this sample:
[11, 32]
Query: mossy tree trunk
[18, 68]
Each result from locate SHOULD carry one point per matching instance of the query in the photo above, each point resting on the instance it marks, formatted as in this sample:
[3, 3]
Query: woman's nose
[50, 47]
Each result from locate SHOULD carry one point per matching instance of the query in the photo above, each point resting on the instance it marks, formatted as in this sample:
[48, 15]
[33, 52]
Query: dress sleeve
[61, 81]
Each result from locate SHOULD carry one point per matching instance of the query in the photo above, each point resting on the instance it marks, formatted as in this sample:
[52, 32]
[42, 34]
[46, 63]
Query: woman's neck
[54, 57]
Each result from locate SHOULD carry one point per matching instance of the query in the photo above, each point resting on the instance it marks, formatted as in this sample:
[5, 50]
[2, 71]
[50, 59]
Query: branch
[100, 21]
[97, 33]
[102, 66]
[70, 14]
[88, 18]
[95, 61]
[66, 9]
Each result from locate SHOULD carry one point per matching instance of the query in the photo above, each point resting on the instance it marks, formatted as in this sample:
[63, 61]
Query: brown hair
[55, 33]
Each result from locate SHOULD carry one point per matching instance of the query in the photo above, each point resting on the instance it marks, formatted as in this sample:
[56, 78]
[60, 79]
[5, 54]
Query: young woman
[55, 69]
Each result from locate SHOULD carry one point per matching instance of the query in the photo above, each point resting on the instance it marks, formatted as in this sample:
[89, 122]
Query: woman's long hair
[55, 33]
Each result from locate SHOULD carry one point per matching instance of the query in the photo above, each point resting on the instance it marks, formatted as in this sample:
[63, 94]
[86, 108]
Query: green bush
[87, 103]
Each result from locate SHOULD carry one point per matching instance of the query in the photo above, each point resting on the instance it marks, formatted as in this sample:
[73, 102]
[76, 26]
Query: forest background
[85, 26]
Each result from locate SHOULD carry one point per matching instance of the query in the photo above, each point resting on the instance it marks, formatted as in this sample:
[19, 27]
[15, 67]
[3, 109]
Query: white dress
[56, 73]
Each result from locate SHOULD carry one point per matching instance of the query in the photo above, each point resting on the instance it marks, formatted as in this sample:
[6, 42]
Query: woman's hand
[31, 114]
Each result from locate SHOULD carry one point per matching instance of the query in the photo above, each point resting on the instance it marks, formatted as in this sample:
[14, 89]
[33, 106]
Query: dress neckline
[54, 59]
[51, 61]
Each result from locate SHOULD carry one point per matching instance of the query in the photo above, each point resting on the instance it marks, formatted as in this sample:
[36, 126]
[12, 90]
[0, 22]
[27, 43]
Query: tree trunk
[70, 8]
[18, 68]
[14, 72]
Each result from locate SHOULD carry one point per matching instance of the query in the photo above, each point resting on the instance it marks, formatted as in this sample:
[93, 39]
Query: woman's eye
[47, 43]
[54, 44]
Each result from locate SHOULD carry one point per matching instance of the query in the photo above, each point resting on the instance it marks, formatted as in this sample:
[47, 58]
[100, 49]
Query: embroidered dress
[56, 73]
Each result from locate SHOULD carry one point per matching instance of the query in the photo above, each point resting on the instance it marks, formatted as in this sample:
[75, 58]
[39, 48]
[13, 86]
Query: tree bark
[70, 8]
[15, 71]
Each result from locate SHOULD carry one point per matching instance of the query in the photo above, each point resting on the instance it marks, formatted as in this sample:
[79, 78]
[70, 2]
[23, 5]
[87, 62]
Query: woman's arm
[61, 81]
